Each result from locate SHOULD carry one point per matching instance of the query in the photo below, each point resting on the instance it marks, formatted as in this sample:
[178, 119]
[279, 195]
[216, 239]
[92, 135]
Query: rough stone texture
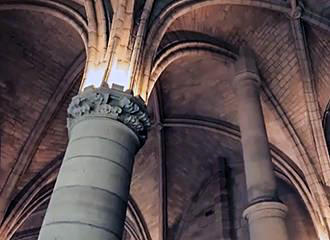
[159, 6]
[53, 143]
[106, 127]
[214, 76]
[208, 215]
[35, 52]
[272, 41]
[77, 5]
[260, 177]
[220, 22]
[206, 202]
[280, 139]
[36, 49]
[31, 227]
[320, 53]
[145, 180]
[192, 167]
[299, 223]
[203, 90]
[322, 7]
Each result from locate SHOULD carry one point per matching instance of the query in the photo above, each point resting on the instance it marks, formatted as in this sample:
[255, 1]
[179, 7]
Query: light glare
[119, 75]
[94, 77]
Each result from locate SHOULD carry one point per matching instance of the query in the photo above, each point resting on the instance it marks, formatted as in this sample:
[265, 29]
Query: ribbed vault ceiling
[38, 50]
[37, 54]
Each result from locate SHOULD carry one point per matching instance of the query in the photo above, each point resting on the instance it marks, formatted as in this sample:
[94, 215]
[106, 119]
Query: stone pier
[106, 129]
[265, 213]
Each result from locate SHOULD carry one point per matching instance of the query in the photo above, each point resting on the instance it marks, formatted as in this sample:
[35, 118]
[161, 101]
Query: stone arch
[191, 48]
[41, 52]
[284, 166]
[217, 185]
[170, 14]
[55, 9]
[178, 8]
[208, 49]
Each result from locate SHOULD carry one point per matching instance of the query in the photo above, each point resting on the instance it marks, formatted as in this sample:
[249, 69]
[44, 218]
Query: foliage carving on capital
[111, 103]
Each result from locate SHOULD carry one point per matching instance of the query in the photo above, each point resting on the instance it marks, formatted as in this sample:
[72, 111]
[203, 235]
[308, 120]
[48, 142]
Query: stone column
[265, 214]
[106, 129]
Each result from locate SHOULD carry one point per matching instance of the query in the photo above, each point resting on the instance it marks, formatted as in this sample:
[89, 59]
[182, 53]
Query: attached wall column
[265, 214]
[106, 127]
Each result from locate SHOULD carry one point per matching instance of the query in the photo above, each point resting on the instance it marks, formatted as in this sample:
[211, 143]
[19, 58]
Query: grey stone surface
[265, 214]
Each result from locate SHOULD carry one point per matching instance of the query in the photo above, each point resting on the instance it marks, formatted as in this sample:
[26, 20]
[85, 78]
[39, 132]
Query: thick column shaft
[91, 193]
[259, 172]
[265, 214]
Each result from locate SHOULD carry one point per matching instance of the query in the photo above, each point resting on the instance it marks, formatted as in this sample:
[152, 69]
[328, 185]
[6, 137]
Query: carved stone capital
[110, 103]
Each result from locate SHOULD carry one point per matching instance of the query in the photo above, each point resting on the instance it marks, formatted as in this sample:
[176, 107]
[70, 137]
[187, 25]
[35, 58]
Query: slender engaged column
[106, 129]
[265, 214]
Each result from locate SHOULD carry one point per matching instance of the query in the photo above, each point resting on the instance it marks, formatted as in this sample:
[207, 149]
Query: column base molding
[265, 210]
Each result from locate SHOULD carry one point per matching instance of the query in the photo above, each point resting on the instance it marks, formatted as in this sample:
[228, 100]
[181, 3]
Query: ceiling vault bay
[51, 15]
[203, 49]
[152, 64]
